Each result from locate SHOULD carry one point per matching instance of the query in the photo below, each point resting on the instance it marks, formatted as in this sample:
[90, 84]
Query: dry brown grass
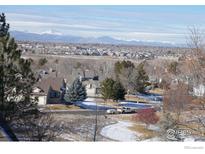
[134, 98]
[126, 117]
[61, 107]
[110, 103]
[107, 102]
[157, 91]
[146, 133]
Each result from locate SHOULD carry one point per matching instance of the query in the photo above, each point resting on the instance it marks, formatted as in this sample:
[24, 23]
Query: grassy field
[157, 91]
[146, 133]
[61, 107]
[134, 98]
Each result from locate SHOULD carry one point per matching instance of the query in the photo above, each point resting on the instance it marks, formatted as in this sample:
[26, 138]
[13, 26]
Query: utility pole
[96, 123]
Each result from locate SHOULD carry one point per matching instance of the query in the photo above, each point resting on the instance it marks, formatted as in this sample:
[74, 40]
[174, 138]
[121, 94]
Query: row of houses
[51, 90]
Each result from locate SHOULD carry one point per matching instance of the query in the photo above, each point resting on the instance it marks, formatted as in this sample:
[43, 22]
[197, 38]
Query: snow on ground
[120, 132]
[152, 98]
[90, 103]
[134, 104]
[89, 99]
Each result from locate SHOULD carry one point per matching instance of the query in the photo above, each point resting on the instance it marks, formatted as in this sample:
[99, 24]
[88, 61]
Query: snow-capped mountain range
[54, 36]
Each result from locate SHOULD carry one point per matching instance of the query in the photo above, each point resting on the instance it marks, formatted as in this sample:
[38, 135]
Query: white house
[42, 97]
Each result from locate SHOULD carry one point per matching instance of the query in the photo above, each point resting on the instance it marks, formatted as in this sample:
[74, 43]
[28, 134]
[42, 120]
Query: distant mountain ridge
[49, 37]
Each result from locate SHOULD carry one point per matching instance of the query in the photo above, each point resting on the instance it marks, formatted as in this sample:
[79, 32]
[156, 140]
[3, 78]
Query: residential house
[92, 86]
[50, 90]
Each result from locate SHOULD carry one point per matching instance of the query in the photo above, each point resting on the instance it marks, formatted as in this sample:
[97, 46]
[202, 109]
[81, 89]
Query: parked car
[111, 111]
[125, 110]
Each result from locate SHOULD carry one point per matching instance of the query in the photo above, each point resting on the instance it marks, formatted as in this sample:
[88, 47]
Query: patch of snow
[67, 137]
[92, 105]
[89, 99]
[88, 103]
[134, 104]
[120, 132]
[127, 102]
[52, 32]
[153, 98]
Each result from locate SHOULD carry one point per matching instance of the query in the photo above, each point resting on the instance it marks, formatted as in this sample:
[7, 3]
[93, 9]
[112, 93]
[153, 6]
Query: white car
[125, 110]
[111, 111]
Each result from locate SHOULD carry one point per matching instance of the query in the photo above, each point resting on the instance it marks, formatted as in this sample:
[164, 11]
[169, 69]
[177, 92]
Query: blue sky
[145, 23]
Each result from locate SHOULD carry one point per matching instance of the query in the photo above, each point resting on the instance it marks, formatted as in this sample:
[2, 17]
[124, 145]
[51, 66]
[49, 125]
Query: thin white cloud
[50, 24]
[59, 21]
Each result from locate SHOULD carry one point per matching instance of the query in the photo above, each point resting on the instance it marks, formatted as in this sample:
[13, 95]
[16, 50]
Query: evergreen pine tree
[107, 88]
[16, 77]
[118, 91]
[140, 79]
[76, 92]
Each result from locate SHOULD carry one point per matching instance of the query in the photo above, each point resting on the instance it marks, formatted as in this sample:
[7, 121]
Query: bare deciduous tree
[177, 99]
[196, 61]
[42, 127]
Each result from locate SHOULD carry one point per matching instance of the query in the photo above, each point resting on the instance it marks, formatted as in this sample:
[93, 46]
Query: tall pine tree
[118, 91]
[107, 88]
[76, 92]
[16, 77]
[140, 79]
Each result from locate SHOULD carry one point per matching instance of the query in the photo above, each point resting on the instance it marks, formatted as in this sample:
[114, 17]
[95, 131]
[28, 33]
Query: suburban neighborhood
[60, 87]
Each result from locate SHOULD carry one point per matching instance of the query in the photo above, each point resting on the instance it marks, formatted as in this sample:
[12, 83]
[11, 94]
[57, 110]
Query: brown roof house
[50, 90]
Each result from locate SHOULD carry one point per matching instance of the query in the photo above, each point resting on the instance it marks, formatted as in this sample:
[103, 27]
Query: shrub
[147, 116]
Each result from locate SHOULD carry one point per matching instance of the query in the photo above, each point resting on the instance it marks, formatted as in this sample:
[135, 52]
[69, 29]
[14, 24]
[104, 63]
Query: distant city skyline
[167, 24]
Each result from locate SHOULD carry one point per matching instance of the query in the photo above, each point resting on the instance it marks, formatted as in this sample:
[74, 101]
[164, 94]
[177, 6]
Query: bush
[147, 116]
[42, 61]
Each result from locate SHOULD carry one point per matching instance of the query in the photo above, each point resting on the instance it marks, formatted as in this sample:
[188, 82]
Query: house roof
[54, 82]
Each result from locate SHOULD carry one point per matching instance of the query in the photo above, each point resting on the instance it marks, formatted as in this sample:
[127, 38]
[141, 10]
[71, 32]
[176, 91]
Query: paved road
[77, 112]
